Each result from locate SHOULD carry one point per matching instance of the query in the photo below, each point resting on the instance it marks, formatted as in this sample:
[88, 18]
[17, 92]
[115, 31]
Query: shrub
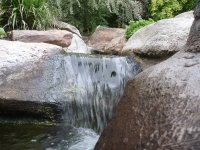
[161, 9]
[87, 14]
[26, 14]
[136, 25]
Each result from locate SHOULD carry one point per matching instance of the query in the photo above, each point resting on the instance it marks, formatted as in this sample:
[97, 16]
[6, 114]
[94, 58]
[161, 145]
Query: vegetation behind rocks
[87, 15]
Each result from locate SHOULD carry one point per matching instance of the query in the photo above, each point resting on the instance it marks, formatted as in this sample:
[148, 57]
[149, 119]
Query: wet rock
[40, 80]
[109, 40]
[161, 39]
[77, 46]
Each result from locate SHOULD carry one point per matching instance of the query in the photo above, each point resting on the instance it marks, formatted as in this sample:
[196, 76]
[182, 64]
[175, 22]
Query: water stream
[95, 85]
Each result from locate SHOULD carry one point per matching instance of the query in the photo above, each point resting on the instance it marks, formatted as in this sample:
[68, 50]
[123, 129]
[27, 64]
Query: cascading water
[94, 86]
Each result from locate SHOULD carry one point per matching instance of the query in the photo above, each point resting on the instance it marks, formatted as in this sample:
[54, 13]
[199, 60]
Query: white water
[95, 86]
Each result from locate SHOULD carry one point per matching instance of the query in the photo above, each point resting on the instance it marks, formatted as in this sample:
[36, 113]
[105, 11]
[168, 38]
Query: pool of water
[46, 137]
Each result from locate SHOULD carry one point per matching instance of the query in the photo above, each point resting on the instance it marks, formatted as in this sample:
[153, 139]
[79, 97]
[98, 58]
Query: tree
[161, 9]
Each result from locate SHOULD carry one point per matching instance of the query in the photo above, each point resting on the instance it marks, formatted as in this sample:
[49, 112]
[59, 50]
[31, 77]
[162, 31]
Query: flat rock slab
[57, 37]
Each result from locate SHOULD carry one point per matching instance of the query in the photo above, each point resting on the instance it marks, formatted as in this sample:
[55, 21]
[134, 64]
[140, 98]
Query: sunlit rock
[161, 39]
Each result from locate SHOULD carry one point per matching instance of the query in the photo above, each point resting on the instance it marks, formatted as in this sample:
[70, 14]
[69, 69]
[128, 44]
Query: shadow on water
[45, 137]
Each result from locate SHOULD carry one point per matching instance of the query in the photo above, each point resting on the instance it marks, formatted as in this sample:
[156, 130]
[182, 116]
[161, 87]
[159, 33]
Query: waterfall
[94, 86]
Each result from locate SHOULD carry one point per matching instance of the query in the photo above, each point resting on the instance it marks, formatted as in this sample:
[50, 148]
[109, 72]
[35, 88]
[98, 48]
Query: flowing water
[95, 85]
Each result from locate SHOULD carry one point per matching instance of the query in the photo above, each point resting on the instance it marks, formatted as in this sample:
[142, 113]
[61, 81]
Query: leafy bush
[136, 25]
[87, 14]
[26, 14]
[161, 9]
[2, 33]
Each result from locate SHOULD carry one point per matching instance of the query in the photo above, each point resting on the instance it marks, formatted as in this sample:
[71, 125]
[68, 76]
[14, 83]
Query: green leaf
[2, 33]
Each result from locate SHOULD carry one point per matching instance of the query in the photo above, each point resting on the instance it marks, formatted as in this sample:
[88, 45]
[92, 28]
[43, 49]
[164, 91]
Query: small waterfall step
[95, 84]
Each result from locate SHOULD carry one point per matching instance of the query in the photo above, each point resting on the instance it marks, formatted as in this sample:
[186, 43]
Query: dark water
[45, 137]
[94, 87]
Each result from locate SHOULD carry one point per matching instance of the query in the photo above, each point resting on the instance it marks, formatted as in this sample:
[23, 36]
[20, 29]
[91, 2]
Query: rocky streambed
[64, 99]
[51, 99]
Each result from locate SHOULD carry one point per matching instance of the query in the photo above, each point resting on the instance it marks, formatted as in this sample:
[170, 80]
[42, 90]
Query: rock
[160, 107]
[57, 37]
[78, 46]
[163, 38]
[109, 40]
[27, 85]
[66, 26]
[188, 15]
[72, 43]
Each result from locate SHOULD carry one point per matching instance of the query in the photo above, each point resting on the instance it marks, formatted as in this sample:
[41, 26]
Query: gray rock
[66, 26]
[188, 15]
[27, 82]
[163, 38]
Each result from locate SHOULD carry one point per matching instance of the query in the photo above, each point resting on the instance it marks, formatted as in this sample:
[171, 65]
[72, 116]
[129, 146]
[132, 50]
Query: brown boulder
[108, 40]
[161, 106]
[56, 37]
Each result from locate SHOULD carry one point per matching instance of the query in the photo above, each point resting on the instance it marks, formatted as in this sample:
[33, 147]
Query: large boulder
[27, 85]
[163, 38]
[69, 41]
[40, 80]
[160, 108]
[108, 40]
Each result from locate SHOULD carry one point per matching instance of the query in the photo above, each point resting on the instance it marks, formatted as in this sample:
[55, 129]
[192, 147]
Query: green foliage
[2, 33]
[87, 14]
[26, 14]
[161, 9]
[136, 25]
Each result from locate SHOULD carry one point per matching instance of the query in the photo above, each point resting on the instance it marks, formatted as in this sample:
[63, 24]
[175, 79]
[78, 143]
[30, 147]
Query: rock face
[160, 108]
[26, 78]
[40, 80]
[163, 38]
[108, 40]
[57, 37]
[69, 41]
